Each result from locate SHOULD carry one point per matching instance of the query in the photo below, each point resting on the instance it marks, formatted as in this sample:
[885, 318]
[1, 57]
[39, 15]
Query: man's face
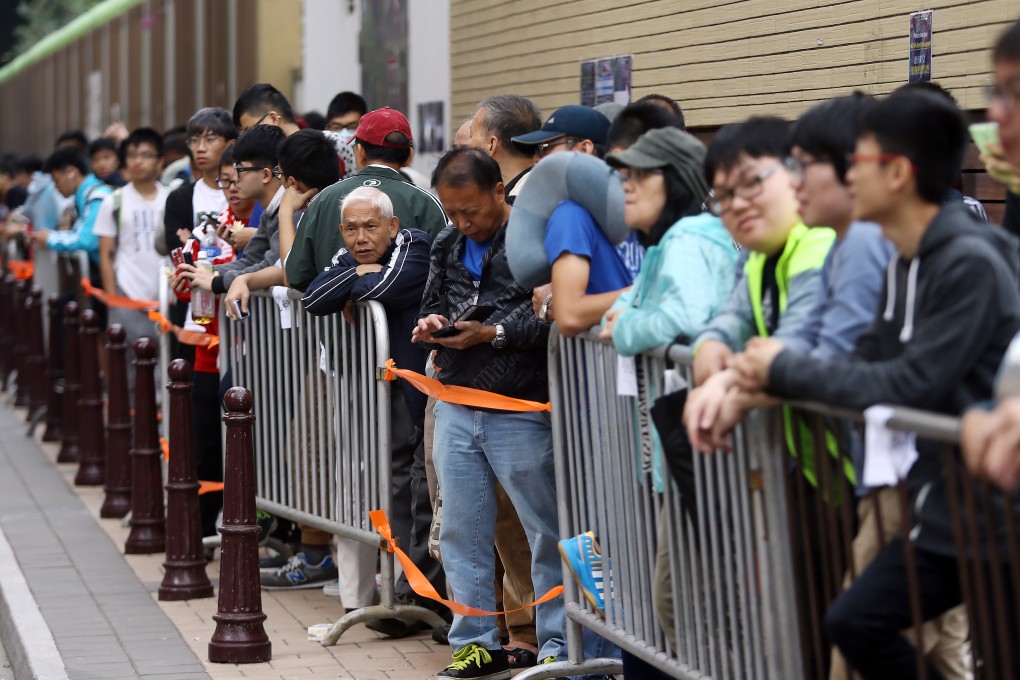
[868, 179]
[758, 204]
[104, 162]
[1004, 108]
[227, 180]
[823, 200]
[475, 212]
[143, 162]
[251, 179]
[65, 181]
[250, 120]
[346, 121]
[206, 149]
[366, 233]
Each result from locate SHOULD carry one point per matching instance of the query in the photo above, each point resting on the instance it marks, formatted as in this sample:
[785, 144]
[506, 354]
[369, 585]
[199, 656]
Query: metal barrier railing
[322, 438]
[753, 552]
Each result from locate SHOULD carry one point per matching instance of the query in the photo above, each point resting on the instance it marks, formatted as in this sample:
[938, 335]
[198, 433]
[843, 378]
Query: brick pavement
[101, 605]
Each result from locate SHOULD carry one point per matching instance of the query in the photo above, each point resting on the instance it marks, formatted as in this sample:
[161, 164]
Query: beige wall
[278, 45]
[723, 61]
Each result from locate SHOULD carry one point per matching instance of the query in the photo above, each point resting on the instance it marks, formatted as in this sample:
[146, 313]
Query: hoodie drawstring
[908, 326]
[890, 290]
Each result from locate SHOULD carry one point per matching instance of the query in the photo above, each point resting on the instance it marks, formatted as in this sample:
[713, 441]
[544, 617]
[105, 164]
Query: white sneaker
[332, 589]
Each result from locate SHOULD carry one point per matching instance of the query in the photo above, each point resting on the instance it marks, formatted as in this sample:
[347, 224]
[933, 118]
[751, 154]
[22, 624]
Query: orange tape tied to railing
[117, 300]
[22, 270]
[465, 396]
[420, 585]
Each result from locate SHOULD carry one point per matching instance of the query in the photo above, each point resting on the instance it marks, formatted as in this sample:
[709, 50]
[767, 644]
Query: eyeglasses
[142, 156]
[1008, 99]
[225, 182]
[543, 149]
[720, 202]
[798, 167]
[337, 127]
[277, 173]
[637, 175]
[209, 138]
[258, 122]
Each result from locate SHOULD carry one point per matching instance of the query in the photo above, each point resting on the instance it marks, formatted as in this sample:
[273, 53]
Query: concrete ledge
[26, 638]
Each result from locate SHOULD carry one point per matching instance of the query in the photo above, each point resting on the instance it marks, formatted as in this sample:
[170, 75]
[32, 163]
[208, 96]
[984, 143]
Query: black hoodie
[936, 344]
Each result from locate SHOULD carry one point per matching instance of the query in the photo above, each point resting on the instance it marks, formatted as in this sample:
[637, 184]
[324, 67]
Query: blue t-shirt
[571, 229]
[472, 255]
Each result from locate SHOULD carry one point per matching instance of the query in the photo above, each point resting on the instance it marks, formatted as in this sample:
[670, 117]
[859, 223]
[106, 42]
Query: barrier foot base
[380, 611]
[34, 419]
[565, 669]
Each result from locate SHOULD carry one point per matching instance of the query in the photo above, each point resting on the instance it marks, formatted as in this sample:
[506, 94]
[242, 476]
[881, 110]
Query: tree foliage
[39, 18]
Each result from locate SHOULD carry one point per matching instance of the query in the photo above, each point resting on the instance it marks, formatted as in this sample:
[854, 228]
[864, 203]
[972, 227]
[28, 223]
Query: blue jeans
[473, 450]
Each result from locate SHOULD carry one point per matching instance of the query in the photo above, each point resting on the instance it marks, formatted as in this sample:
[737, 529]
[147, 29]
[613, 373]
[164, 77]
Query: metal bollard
[54, 375]
[36, 360]
[6, 329]
[118, 428]
[92, 438]
[240, 636]
[69, 451]
[21, 342]
[148, 526]
[184, 577]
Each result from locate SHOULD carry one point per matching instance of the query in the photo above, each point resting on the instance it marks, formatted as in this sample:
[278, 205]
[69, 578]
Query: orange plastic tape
[116, 300]
[22, 270]
[165, 445]
[209, 487]
[465, 396]
[420, 585]
[185, 337]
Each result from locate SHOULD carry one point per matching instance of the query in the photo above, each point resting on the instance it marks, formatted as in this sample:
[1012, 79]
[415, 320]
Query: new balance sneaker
[298, 573]
[476, 662]
[581, 555]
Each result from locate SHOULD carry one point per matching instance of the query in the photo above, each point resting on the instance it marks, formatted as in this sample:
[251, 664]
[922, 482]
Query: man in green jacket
[383, 145]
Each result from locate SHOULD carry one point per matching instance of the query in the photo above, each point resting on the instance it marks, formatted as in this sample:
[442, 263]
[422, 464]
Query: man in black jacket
[503, 353]
[951, 308]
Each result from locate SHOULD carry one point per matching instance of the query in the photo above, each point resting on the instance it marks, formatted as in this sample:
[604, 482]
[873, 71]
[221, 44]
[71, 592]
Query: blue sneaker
[298, 573]
[581, 555]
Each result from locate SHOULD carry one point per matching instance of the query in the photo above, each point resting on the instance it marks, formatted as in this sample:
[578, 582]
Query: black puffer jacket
[519, 369]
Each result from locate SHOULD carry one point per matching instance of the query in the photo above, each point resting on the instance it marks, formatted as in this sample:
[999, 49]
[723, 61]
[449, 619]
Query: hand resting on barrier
[709, 358]
[991, 443]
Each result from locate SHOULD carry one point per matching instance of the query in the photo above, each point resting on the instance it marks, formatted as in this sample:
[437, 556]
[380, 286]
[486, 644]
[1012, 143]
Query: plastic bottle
[203, 302]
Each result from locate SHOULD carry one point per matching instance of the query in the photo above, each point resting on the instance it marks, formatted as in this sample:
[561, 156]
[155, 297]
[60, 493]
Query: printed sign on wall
[920, 46]
[606, 80]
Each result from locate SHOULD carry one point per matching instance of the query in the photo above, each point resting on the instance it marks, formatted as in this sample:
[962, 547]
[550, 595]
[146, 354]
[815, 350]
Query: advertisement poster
[431, 128]
[606, 80]
[920, 46]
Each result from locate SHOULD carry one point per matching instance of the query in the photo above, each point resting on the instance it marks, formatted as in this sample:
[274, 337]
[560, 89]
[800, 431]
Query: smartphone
[238, 314]
[984, 135]
[472, 313]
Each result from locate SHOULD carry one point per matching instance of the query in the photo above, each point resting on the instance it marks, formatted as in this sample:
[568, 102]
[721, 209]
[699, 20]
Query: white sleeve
[105, 226]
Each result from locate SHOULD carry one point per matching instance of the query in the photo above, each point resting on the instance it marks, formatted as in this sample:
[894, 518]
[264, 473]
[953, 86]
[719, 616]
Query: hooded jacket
[946, 320]
[87, 199]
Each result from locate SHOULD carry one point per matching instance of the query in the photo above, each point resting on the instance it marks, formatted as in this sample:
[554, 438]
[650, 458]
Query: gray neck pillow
[566, 175]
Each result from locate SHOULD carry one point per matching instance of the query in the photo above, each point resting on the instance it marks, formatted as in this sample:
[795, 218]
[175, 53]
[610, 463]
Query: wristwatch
[499, 342]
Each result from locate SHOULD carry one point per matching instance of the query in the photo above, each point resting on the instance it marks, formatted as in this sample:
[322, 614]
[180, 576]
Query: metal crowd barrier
[750, 554]
[322, 438]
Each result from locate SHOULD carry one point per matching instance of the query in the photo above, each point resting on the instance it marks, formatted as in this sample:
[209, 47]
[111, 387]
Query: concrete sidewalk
[101, 605]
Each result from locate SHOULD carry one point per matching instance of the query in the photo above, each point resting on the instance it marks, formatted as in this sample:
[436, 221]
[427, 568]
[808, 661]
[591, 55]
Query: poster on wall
[607, 79]
[431, 128]
[920, 46]
[383, 51]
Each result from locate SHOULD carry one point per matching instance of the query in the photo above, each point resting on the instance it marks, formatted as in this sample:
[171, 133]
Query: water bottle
[203, 302]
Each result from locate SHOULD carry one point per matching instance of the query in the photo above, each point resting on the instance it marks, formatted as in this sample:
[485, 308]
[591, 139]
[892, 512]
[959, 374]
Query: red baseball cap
[375, 125]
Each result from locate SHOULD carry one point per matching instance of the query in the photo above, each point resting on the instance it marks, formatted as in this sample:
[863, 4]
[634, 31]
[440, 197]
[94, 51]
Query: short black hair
[76, 137]
[670, 103]
[31, 164]
[756, 137]
[462, 167]
[1007, 47]
[345, 102]
[8, 164]
[102, 144]
[635, 120]
[214, 120]
[508, 116]
[259, 146]
[65, 157]
[145, 135]
[309, 156]
[227, 157]
[176, 142]
[927, 128]
[314, 120]
[829, 131]
[258, 100]
[387, 154]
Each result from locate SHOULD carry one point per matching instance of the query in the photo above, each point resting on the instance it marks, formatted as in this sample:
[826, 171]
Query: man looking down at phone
[476, 447]
[382, 262]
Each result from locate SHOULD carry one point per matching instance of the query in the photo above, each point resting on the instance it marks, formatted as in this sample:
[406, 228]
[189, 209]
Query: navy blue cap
[580, 122]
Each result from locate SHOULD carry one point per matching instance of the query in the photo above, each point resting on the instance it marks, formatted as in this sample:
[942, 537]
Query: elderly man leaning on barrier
[951, 309]
[504, 353]
[382, 262]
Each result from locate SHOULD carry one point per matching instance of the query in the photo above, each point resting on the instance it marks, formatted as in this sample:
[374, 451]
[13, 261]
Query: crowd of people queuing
[832, 259]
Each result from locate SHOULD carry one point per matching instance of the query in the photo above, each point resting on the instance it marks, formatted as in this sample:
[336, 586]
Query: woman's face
[644, 193]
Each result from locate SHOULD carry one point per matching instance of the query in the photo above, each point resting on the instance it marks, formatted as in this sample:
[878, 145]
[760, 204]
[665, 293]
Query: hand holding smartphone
[472, 313]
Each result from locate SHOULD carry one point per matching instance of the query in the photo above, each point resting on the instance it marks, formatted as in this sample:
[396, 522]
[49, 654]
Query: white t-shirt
[205, 201]
[136, 262]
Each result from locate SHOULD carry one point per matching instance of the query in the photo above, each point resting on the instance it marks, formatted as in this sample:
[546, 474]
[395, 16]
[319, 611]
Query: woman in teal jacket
[691, 264]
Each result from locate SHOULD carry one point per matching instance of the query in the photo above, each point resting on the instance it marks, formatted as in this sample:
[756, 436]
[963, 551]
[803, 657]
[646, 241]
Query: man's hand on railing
[240, 292]
[703, 409]
[754, 362]
[710, 359]
[991, 443]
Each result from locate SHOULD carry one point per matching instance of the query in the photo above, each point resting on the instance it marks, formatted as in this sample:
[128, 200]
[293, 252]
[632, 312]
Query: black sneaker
[441, 635]
[478, 663]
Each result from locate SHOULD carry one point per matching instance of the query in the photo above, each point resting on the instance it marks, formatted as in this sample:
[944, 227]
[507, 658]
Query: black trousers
[207, 424]
[865, 622]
